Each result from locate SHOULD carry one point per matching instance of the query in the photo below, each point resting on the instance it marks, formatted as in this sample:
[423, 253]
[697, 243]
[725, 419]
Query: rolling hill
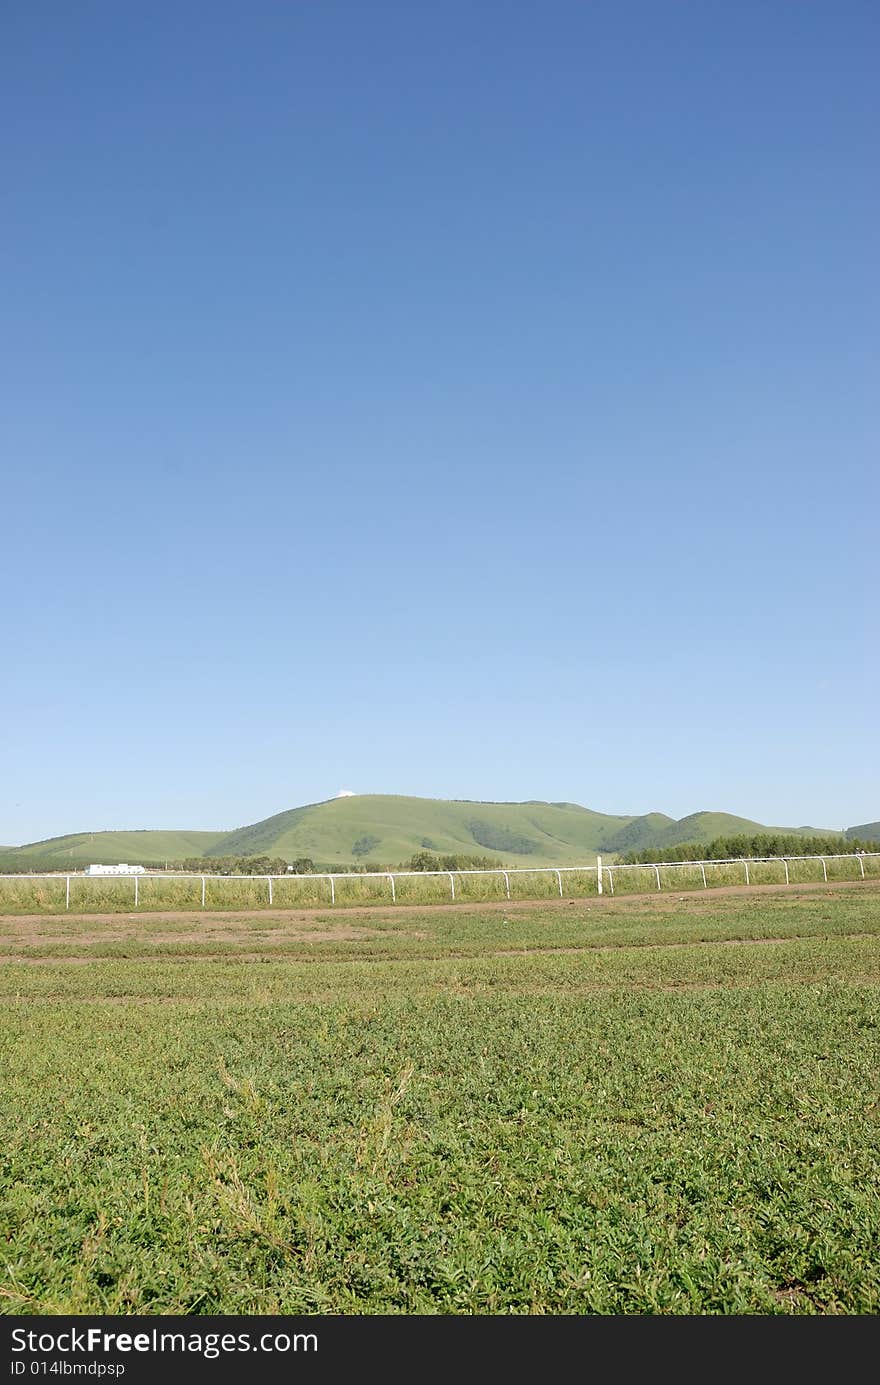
[396, 827]
[138, 848]
[868, 832]
[533, 833]
[388, 828]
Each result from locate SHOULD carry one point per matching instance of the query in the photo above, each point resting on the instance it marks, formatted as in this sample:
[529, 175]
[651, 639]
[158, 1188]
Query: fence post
[67, 895]
[610, 879]
[824, 870]
[746, 864]
[703, 869]
[452, 885]
[269, 883]
[332, 890]
[861, 866]
[506, 882]
[203, 892]
[599, 873]
[393, 895]
[559, 878]
[785, 863]
[657, 873]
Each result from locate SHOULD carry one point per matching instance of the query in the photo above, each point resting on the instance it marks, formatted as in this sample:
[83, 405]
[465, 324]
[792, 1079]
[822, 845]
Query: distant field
[640, 1105]
[32, 895]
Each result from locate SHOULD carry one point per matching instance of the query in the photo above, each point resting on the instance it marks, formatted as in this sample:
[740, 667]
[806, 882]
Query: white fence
[603, 875]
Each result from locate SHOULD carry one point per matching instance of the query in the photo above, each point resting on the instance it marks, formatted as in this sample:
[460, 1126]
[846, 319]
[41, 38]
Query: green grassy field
[621, 1106]
[102, 894]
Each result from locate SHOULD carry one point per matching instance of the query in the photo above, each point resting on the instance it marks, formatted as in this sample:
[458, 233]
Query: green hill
[868, 832]
[705, 827]
[137, 848]
[388, 828]
[636, 833]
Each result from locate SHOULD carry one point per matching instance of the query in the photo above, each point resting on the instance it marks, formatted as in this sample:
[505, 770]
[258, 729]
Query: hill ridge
[390, 828]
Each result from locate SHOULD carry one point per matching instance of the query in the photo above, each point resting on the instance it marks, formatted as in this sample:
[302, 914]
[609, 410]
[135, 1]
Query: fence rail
[598, 877]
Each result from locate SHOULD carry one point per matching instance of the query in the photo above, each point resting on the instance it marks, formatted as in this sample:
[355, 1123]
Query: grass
[81, 848]
[33, 895]
[629, 1106]
[687, 876]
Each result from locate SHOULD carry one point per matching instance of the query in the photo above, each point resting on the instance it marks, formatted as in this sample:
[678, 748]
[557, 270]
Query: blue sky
[472, 400]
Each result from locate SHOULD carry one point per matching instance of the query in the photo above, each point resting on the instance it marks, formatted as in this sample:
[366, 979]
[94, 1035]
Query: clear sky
[472, 399]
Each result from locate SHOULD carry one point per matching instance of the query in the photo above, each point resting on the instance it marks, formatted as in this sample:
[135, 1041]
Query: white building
[121, 869]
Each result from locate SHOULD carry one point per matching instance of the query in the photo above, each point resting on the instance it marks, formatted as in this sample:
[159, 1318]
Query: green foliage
[501, 838]
[424, 860]
[757, 845]
[365, 844]
[303, 865]
[233, 865]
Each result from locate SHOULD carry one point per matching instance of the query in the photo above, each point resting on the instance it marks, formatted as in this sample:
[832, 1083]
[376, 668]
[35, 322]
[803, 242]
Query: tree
[364, 845]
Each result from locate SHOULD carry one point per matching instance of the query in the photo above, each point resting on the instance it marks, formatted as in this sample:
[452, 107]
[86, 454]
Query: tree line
[242, 865]
[746, 845]
[304, 865]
